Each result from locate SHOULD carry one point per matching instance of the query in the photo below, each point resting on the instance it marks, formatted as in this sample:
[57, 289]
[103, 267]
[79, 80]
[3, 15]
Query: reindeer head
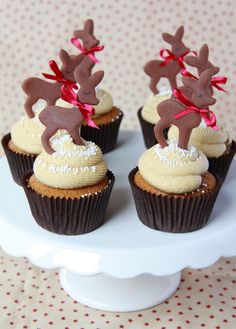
[86, 35]
[69, 64]
[178, 48]
[201, 96]
[201, 61]
[87, 93]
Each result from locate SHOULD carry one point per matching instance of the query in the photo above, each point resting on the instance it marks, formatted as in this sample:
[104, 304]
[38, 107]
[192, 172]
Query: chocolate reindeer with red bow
[36, 88]
[184, 113]
[56, 117]
[172, 64]
[89, 46]
[202, 63]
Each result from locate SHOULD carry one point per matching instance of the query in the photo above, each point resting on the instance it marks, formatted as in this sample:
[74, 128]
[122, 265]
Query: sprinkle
[65, 169]
[58, 143]
[181, 156]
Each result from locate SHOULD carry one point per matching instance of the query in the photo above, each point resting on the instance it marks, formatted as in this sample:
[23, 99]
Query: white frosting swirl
[172, 169]
[211, 142]
[26, 134]
[149, 110]
[71, 166]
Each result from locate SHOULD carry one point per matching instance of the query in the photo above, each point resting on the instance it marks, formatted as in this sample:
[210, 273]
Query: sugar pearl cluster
[65, 169]
[58, 142]
[174, 156]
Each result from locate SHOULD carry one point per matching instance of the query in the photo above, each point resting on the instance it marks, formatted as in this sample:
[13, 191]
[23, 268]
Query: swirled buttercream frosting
[70, 166]
[172, 169]
[149, 110]
[211, 142]
[26, 134]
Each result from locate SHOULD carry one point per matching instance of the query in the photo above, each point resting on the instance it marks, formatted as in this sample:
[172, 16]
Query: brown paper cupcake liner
[222, 164]
[106, 136]
[147, 130]
[171, 213]
[19, 163]
[69, 216]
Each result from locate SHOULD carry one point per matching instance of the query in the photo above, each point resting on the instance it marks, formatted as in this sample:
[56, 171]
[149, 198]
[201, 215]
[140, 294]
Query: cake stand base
[106, 293]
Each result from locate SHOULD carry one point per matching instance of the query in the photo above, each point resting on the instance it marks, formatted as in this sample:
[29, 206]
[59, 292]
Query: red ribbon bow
[172, 57]
[215, 81]
[87, 110]
[88, 52]
[59, 76]
[206, 114]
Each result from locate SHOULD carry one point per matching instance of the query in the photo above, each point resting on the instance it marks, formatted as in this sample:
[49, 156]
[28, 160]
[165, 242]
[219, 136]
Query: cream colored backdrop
[32, 32]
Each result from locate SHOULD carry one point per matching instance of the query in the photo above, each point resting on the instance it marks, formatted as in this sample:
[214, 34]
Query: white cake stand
[123, 265]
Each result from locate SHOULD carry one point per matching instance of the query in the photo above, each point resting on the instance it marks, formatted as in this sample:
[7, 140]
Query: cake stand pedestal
[122, 266]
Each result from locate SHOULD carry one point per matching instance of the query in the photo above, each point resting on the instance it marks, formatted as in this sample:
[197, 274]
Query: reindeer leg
[173, 82]
[74, 133]
[153, 85]
[53, 98]
[158, 131]
[184, 135]
[47, 134]
[30, 101]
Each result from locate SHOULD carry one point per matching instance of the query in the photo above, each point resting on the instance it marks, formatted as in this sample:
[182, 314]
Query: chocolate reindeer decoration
[172, 65]
[36, 88]
[87, 85]
[201, 63]
[56, 117]
[186, 116]
[89, 41]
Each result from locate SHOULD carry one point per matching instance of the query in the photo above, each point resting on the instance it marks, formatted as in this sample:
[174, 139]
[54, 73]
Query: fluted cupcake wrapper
[19, 163]
[147, 130]
[106, 136]
[171, 213]
[69, 216]
[222, 164]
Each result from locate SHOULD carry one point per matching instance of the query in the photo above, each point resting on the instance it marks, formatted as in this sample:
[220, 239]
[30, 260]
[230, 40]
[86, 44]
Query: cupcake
[68, 191]
[215, 144]
[172, 187]
[169, 68]
[23, 145]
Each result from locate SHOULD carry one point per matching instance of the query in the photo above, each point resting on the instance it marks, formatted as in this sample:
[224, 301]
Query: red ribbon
[215, 81]
[68, 95]
[206, 114]
[90, 52]
[172, 57]
[59, 76]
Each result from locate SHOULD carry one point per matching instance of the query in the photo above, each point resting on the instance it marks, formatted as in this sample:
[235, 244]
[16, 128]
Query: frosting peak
[26, 134]
[172, 169]
[211, 142]
[71, 166]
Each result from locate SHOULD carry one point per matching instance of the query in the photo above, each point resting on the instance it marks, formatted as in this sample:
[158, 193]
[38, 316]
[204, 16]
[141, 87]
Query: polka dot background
[32, 34]
[32, 298]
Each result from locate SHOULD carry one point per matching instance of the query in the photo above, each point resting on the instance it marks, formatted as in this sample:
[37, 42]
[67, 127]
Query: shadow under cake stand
[122, 266]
